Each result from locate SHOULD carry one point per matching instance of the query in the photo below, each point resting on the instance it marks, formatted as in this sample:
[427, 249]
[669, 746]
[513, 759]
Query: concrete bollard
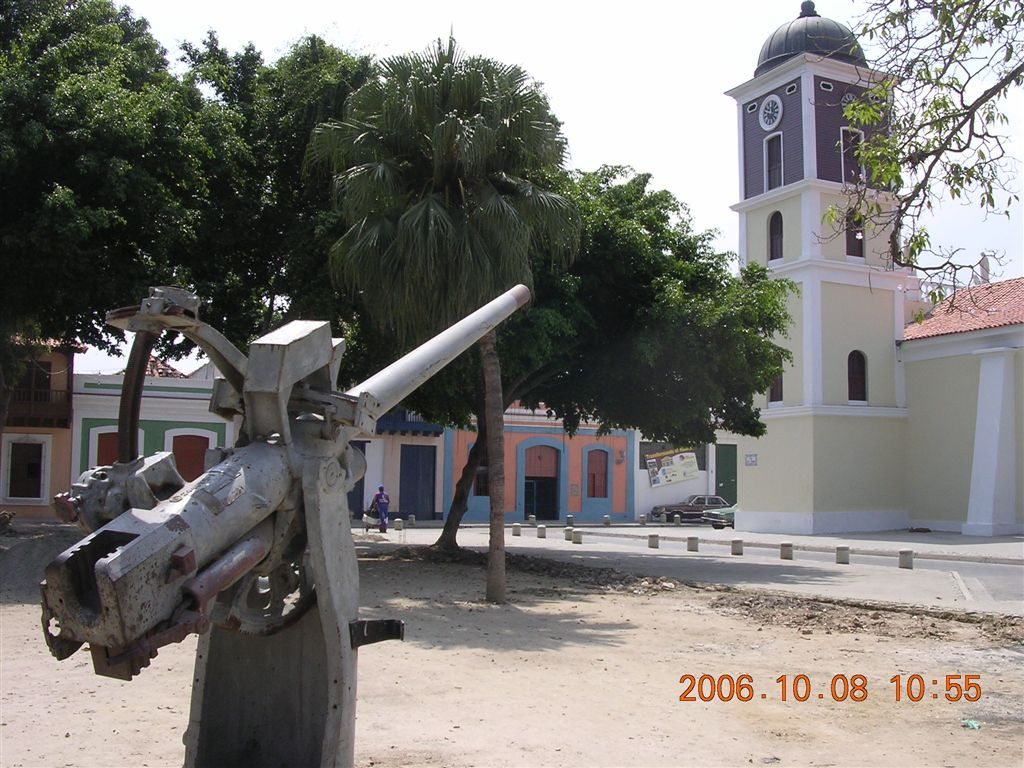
[398, 524]
[843, 555]
[652, 541]
[412, 521]
[542, 531]
[692, 543]
[737, 546]
[607, 519]
[677, 519]
[568, 534]
[786, 550]
[570, 520]
[643, 519]
[906, 558]
[532, 519]
[577, 536]
[516, 529]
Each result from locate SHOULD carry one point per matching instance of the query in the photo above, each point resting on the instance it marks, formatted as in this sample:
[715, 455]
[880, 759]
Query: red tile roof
[50, 345]
[161, 369]
[992, 305]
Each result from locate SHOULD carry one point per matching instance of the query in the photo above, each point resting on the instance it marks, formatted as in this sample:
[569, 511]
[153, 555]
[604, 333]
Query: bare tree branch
[933, 117]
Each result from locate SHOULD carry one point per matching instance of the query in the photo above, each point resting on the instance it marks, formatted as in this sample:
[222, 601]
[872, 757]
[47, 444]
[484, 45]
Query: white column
[812, 351]
[809, 126]
[711, 464]
[741, 248]
[899, 298]
[991, 507]
[810, 225]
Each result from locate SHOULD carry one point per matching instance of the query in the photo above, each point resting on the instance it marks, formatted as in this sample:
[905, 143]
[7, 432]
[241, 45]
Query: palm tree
[434, 166]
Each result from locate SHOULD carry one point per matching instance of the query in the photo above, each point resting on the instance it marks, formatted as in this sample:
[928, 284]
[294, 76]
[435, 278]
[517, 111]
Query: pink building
[548, 473]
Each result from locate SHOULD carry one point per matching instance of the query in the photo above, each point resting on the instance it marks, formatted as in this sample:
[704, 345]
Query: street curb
[599, 530]
[919, 554]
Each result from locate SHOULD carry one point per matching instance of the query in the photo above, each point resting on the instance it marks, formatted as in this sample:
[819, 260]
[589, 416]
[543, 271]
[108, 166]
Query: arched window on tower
[775, 236]
[857, 376]
[775, 391]
[854, 234]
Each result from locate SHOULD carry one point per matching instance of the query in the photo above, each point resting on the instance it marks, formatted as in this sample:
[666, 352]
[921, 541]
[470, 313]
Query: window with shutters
[597, 474]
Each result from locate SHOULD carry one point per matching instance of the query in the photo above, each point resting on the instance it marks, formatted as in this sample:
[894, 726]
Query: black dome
[809, 33]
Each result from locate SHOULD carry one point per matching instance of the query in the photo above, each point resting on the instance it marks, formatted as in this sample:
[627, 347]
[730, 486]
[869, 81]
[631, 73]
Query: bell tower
[838, 412]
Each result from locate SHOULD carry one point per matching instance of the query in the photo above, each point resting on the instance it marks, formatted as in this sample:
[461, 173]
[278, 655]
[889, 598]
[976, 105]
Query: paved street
[951, 571]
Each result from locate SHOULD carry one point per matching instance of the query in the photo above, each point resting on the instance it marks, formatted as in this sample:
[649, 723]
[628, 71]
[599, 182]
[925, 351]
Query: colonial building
[861, 432]
[174, 416]
[549, 474]
[35, 443]
[964, 369]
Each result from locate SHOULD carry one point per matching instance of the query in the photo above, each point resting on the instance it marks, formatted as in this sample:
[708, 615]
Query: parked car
[691, 508]
[721, 518]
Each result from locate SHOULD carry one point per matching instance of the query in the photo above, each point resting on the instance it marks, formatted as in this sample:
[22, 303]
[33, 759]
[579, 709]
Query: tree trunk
[477, 457]
[460, 500]
[494, 408]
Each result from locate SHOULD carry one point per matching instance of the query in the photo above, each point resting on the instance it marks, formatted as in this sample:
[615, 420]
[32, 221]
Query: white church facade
[879, 422]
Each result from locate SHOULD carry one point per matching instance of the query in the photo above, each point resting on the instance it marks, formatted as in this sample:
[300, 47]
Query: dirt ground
[580, 668]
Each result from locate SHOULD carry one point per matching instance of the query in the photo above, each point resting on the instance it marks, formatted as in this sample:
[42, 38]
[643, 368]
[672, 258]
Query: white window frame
[842, 151]
[782, 160]
[12, 438]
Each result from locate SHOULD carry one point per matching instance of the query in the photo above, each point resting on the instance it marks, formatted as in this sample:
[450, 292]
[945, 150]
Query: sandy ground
[574, 671]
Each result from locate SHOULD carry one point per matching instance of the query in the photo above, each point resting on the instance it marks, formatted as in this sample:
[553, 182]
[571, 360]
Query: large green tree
[258, 255]
[648, 329]
[100, 168]
[436, 162]
[117, 175]
[945, 70]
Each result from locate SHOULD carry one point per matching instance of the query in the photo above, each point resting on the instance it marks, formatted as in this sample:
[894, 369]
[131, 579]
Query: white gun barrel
[387, 388]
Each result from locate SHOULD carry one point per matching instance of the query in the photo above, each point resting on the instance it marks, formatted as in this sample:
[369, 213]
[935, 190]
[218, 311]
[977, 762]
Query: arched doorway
[189, 455]
[540, 482]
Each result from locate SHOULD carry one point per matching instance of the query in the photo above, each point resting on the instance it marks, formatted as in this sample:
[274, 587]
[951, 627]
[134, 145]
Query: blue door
[416, 482]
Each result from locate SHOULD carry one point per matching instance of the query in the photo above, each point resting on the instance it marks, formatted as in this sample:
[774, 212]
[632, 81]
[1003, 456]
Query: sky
[639, 84]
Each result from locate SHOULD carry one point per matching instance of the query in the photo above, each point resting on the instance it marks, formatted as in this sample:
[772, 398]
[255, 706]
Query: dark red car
[691, 508]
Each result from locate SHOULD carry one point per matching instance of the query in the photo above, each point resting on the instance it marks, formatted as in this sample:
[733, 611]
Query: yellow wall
[833, 236]
[941, 436]
[793, 377]
[757, 231]
[60, 469]
[782, 479]
[856, 318]
[859, 463]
